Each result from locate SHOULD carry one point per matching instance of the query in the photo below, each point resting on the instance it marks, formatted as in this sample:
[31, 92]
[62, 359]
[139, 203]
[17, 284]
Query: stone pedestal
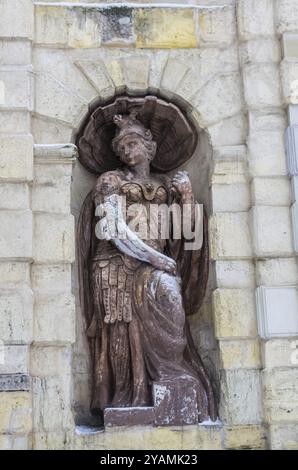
[131, 416]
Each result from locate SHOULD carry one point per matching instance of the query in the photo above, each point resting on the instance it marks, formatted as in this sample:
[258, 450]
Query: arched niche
[197, 160]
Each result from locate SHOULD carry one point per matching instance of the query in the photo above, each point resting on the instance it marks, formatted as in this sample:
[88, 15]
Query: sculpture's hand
[164, 263]
[181, 183]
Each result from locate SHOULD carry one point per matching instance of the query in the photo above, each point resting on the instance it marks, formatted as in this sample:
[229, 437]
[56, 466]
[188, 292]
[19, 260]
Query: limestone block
[219, 99]
[261, 85]
[272, 231]
[267, 156]
[16, 308]
[241, 397]
[289, 43]
[97, 75]
[16, 234]
[53, 238]
[115, 70]
[271, 192]
[231, 131]
[277, 272]
[50, 132]
[76, 27]
[294, 186]
[230, 197]
[16, 157]
[267, 120]
[14, 442]
[15, 53]
[49, 193]
[14, 273]
[60, 64]
[230, 238]
[245, 438]
[13, 359]
[287, 13]
[54, 319]
[277, 311]
[14, 196]
[230, 320]
[15, 122]
[136, 73]
[294, 214]
[255, 18]
[280, 353]
[14, 78]
[260, 51]
[164, 28]
[173, 74]
[292, 150]
[117, 27]
[17, 18]
[50, 361]
[15, 412]
[234, 274]
[293, 114]
[241, 354]
[283, 437]
[289, 80]
[55, 100]
[55, 440]
[217, 27]
[51, 277]
[52, 403]
[281, 395]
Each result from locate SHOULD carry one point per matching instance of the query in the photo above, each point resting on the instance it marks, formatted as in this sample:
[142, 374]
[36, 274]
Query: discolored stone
[117, 27]
[129, 416]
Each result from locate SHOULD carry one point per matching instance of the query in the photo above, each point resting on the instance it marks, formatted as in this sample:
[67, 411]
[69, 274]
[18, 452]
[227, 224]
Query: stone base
[128, 416]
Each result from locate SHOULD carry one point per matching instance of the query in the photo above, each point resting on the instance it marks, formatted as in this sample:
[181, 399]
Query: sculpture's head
[132, 142]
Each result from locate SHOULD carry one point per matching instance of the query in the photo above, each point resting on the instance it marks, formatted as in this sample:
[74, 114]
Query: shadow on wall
[199, 167]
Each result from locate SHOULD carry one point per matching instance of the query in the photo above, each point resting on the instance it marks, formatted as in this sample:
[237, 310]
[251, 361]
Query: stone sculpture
[136, 293]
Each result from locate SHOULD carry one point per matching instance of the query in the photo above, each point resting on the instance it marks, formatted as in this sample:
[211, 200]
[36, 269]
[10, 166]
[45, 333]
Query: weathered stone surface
[14, 196]
[283, 437]
[15, 122]
[175, 403]
[129, 416]
[17, 18]
[230, 238]
[13, 359]
[14, 382]
[267, 156]
[245, 438]
[287, 14]
[164, 28]
[15, 53]
[117, 27]
[16, 157]
[53, 440]
[230, 197]
[267, 120]
[289, 73]
[234, 274]
[16, 234]
[272, 231]
[53, 238]
[50, 132]
[261, 86]
[230, 131]
[65, 26]
[271, 191]
[14, 442]
[96, 73]
[16, 315]
[219, 99]
[277, 272]
[242, 354]
[255, 18]
[15, 412]
[229, 306]
[173, 74]
[217, 27]
[52, 404]
[271, 301]
[281, 395]
[14, 273]
[14, 78]
[280, 353]
[260, 51]
[48, 361]
[51, 278]
[241, 397]
[136, 73]
[54, 319]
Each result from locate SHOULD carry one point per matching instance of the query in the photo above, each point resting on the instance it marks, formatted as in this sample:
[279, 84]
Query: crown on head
[129, 124]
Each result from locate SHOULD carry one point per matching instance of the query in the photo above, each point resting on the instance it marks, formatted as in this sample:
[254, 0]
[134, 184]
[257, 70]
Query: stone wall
[233, 67]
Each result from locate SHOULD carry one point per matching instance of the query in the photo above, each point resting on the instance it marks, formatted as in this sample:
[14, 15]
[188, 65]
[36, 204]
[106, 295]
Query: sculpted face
[132, 150]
